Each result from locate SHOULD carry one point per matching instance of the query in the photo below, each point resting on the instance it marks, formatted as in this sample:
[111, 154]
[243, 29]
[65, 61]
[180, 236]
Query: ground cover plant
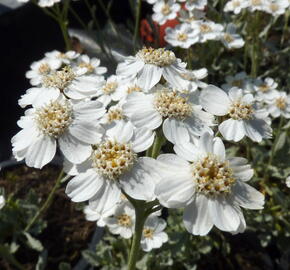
[170, 133]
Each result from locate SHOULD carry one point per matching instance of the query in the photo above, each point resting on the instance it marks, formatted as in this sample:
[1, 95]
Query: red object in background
[149, 32]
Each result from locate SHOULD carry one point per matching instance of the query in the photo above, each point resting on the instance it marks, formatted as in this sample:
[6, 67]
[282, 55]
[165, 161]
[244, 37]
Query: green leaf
[64, 266]
[91, 257]
[42, 260]
[33, 242]
[280, 142]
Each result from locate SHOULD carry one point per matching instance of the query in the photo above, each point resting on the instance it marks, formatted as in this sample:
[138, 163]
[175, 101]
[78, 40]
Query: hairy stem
[137, 22]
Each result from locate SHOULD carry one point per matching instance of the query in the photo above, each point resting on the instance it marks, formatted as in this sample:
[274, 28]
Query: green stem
[255, 46]
[137, 22]
[273, 147]
[135, 247]
[47, 203]
[154, 150]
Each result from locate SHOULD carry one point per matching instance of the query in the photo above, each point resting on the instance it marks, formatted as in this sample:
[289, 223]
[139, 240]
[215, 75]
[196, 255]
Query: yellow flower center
[44, 68]
[171, 104]
[54, 118]
[115, 114]
[205, 28]
[134, 88]
[59, 79]
[182, 37]
[166, 10]
[212, 176]
[281, 103]
[112, 159]
[124, 220]
[88, 66]
[148, 233]
[110, 87]
[240, 111]
[158, 57]
[228, 38]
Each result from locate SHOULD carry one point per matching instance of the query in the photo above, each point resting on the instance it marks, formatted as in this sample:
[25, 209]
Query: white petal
[242, 171]
[232, 129]
[84, 186]
[174, 131]
[142, 140]
[130, 67]
[73, 149]
[121, 131]
[138, 183]
[196, 217]
[219, 148]
[247, 196]
[149, 76]
[106, 198]
[224, 215]
[187, 151]
[40, 152]
[257, 129]
[175, 191]
[214, 100]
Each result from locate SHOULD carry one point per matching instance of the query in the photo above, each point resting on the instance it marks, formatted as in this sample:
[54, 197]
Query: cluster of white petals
[273, 7]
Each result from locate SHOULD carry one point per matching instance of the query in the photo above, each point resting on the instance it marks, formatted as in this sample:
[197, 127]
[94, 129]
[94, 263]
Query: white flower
[149, 65]
[256, 5]
[189, 16]
[238, 80]
[123, 220]
[288, 181]
[153, 235]
[183, 35]
[195, 4]
[114, 164]
[244, 118]
[208, 30]
[91, 64]
[276, 7]
[210, 186]
[59, 58]
[2, 201]
[230, 39]
[182, 117]
[74, 126]
[236, 6]
[194, 77]
[165, 10]
[47, 3]
[265, 90]
[39, 69]
[279, 105]
[112, 90]
[73, 82]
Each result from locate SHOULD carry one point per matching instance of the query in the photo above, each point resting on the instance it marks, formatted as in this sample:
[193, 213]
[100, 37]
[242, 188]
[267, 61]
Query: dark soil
[67, 232]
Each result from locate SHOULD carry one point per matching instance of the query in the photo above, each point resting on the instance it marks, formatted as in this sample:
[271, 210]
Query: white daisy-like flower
[189, 16]
[194, 77]
[100, 214]
[60, 58]
[91, 64]
[238, 80]
[256, 5]
[2, 201]
[244, 118]
[149, 65]
[114, 165]
[195, 4]
[231, 39]
[74, 126]
[208, 30]
[73, 82]
[39, 69]
[288, 182]
[123, 220]
[179, 114]
[47, 3]
[115, 113]
[153, 235]
[210, 186]
[236, 6]
[165, 10]
[276, 7]
[265, 89]
[183, 35]
[112, 90]
[279, 105]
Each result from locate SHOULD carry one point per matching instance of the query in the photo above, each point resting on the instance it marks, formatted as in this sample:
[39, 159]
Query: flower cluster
[272, 7]
[193, 26]
[103, 127]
